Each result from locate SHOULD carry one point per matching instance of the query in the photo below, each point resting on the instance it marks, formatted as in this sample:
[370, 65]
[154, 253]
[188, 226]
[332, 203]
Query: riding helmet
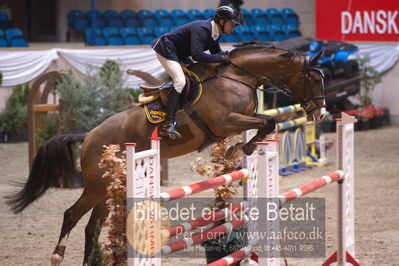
[226, 13]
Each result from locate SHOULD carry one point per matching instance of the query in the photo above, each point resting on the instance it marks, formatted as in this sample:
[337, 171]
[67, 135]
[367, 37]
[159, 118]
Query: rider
[191, 39]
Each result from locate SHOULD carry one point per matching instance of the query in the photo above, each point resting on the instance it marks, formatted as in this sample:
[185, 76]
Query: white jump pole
[143, 183]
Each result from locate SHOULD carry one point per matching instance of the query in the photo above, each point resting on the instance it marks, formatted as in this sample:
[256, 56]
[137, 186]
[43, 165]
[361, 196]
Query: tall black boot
[167, 128]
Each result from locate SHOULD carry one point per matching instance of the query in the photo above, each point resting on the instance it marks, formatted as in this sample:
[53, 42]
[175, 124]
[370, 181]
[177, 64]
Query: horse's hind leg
[71, 217]
[99, 214]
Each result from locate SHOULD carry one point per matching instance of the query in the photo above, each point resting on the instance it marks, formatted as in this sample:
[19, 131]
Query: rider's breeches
[175, 72]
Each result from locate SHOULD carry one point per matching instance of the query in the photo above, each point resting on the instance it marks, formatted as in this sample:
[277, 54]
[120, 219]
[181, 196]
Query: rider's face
[228, 26]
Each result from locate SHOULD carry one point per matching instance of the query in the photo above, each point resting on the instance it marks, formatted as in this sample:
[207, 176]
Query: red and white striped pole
[205, 220]
[311, 186]
[204, 236]
[232, 258]
[204, 185]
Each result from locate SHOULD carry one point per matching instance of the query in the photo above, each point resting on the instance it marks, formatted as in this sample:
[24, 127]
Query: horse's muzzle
[316, 115]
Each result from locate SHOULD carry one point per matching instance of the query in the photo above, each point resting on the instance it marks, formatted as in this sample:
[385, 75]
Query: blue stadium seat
[290, 17]
[232, 37]
[75, 14]
[110, 13]
[18, 42]
[164, 18]
[245, 33]
[291, 30]
[116, 22]
[275, 17]
[3, 40]
[127, 13]
[133, 22]
[98, 37]
[112, 36]
[15, 38]
[146, 34]
[5, 22]
[276, 32]
[195, 14]
[3, 43]
[100, 20]
[89, 15]
[13, 32]
[248, 18]
[147, 18]
[158, 31]
[100, 42]
[130, 36]
[180, 17]
[261, 33]
[208, 13]
[260, 16]
[222, 38]
[80, 24]
[3, 15]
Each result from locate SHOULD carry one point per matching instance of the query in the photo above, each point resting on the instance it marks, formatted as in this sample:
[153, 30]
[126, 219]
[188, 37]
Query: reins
[281, 87]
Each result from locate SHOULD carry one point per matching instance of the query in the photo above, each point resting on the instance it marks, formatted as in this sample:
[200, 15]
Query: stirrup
[169, 130]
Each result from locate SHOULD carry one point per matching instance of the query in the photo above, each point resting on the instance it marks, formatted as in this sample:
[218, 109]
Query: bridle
[281, 87]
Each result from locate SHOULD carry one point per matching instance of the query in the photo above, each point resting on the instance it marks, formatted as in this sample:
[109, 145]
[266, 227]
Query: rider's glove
[225, 59]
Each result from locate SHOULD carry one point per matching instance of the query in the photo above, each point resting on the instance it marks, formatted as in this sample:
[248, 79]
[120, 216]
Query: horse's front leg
[269, 127]
[236, 122]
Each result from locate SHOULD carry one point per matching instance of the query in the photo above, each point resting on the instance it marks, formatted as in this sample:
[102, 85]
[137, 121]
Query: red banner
[357, 20]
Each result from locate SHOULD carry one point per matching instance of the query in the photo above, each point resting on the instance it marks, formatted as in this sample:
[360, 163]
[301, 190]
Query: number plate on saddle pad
[155, 111]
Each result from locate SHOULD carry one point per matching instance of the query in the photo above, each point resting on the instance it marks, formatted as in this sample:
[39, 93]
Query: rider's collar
[215, 30]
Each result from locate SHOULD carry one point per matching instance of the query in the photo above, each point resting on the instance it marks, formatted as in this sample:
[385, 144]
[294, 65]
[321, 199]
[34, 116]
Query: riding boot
[168, 127]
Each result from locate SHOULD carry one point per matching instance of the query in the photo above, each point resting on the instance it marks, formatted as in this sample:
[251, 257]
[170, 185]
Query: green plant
[1, 77]
[135, 94]
[48, 128]
[14, 117]
[87, 102]
[97, 257]
[370, 77]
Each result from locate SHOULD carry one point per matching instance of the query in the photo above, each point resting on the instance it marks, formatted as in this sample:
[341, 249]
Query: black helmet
[226, 13]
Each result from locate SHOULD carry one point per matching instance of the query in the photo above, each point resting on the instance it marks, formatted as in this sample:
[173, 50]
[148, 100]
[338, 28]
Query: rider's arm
[199, 37]
[215, 48]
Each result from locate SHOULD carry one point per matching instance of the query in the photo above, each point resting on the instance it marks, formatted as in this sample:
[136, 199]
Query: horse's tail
[54, 160]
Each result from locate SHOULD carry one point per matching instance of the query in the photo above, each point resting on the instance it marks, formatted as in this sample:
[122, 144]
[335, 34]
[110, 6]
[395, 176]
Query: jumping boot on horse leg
[167, 128]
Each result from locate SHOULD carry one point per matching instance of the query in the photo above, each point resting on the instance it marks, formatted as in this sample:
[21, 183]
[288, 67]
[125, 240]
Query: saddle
[155, 97]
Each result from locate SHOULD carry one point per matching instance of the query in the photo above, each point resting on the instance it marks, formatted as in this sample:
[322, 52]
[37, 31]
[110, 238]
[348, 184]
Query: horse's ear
[315, 59]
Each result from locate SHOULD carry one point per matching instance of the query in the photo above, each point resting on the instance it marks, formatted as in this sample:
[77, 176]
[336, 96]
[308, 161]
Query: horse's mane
[260, 45]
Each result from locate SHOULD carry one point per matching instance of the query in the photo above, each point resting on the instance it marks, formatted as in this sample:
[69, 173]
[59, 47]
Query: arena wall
[386, 93]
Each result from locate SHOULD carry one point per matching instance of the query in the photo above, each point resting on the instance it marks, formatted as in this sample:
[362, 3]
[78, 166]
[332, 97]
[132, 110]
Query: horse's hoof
[249, 148]
[55, 259]
[171, 135]
[233, 151]
[175, 135]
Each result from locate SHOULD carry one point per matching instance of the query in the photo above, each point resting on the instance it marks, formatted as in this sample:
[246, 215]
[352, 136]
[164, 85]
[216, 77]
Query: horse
[227, 107]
